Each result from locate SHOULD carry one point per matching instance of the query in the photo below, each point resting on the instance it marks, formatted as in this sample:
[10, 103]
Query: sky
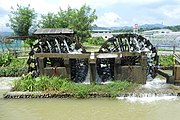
[111, 13]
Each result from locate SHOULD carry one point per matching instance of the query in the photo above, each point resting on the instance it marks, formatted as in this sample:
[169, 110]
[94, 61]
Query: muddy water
[90, 109]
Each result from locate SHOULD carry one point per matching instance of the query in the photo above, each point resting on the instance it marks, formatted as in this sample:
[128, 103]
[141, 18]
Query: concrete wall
[134, 74]
[59, 71]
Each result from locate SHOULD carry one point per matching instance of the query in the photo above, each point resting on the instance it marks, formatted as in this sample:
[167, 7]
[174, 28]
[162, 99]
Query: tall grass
[57, 84]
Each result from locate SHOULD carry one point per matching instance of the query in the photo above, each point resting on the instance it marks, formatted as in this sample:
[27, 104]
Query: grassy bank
[61, 85]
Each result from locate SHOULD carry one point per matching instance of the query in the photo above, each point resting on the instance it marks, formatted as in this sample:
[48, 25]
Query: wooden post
[144, 65]
[92, 65]
[92, 73]
[174, 49]
[116, 68]
[67, 66]
[41, 66]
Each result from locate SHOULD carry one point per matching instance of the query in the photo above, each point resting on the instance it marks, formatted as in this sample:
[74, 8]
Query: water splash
[148, 98]
[156, 83]
[154, 90]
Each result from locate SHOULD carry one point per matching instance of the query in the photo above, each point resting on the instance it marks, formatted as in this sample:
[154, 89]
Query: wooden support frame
[61, 55]
[92, 61]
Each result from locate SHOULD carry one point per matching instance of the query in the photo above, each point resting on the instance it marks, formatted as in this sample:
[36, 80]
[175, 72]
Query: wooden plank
[61, 55]
[169, 78]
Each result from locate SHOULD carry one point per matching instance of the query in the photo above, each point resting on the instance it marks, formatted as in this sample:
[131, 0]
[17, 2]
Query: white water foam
[148, 99]
[155, 84]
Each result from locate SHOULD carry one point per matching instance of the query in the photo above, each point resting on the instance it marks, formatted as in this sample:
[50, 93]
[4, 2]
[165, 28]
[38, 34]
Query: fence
[14, 44]
[165, 41]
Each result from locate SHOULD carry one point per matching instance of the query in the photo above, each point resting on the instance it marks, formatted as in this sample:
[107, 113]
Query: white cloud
[139, 1]
[110, 19]
[163, 10]
[145, 20]
[171, 11]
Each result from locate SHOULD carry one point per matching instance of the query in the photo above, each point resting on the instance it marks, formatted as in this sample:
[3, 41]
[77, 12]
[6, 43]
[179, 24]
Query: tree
[80, 20]
[22, 19]
[49, 21]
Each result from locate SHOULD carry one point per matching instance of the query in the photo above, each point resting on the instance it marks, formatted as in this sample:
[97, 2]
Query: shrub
[5, 59]
[166, 60]
[95, 40]
[11, 66]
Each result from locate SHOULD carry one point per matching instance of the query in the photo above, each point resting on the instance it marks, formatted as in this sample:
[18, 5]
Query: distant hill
[6, 33]
[145, 26]
[150, 26]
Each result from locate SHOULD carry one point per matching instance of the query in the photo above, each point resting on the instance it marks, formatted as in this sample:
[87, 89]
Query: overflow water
[154, 90]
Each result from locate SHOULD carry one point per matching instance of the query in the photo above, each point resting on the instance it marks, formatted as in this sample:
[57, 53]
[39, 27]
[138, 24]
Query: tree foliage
[80, 20]
[174, 28]
[22, 19]
[48, 21]
[96, 40]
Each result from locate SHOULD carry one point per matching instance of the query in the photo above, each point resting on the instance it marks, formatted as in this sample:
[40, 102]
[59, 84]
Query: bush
[166, 60]
[95, 40]
[5, 59]
[11, 66]
[11, 71]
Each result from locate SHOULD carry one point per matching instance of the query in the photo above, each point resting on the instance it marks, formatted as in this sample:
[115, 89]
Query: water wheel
[127, 43]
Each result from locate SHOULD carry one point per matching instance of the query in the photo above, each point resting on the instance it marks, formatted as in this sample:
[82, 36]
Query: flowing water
[123, 108]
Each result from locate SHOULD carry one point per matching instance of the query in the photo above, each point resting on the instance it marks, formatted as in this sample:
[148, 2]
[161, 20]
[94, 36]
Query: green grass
[63, 85]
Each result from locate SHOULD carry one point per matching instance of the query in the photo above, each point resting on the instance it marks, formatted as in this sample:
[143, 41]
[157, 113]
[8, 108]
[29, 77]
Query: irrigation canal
[145, 107]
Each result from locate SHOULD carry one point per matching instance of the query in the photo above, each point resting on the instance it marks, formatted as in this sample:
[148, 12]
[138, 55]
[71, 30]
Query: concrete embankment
[19, 95]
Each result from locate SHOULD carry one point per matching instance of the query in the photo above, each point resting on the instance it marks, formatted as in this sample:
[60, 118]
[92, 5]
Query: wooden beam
[61, 55]
[86, 55]
[169, 78]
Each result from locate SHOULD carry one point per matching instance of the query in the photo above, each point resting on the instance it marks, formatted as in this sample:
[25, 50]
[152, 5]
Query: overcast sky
[111, 13]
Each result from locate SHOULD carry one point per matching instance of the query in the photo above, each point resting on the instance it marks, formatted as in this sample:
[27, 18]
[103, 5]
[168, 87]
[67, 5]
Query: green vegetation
[22, 19]
[80, 20]
[11, 66]
[95, 40]
[125, 30]
[61, 85]
[5, 59]
[167, 60]
[173, 28]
